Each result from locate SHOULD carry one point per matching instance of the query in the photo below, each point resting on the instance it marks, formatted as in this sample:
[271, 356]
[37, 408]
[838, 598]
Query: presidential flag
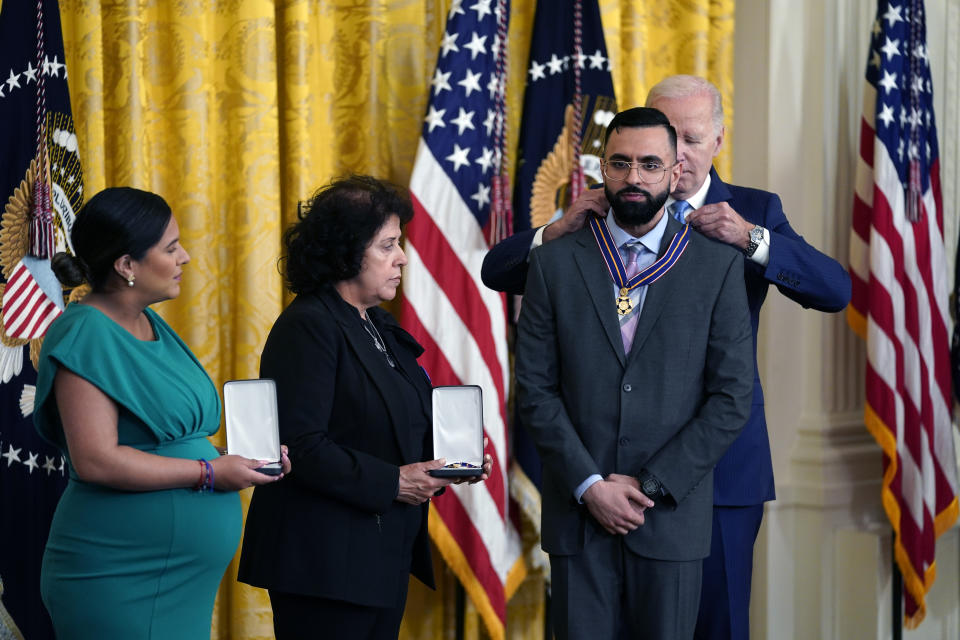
[569, 102]
[900, 292]
[461, 323]
[42, 188]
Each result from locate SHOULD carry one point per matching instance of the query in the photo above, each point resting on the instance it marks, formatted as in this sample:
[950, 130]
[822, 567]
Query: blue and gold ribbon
[618, 272]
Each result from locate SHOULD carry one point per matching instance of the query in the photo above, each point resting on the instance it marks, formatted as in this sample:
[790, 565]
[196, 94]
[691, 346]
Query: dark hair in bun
[70, 270]
[115, 222]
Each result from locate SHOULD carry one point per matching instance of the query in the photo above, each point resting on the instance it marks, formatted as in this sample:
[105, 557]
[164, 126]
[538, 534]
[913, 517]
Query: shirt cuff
[586, 484]
[537, 240]
[762, 255]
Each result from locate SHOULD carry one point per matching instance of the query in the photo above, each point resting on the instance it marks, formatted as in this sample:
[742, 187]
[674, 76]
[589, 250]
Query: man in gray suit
[634, 370]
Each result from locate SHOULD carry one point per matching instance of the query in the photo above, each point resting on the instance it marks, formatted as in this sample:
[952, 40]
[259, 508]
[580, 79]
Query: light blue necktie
[679, 210]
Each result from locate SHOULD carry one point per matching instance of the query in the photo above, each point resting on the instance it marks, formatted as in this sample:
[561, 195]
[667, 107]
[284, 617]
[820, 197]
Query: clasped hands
[617, 503]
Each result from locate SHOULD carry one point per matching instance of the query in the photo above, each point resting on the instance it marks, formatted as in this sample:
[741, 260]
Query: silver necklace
[378, 341]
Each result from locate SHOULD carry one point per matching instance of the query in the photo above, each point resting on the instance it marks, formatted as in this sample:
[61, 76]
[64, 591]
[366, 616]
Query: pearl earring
[130, 280]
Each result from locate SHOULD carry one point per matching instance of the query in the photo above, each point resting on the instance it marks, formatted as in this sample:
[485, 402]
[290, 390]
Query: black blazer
[332, 528]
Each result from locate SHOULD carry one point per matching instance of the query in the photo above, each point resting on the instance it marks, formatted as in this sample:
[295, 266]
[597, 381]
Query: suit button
[624, 442]
[627, 388]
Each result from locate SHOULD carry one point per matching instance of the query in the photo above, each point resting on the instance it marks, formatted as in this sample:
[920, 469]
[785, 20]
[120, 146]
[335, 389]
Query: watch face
[651, 486]
[756, 234]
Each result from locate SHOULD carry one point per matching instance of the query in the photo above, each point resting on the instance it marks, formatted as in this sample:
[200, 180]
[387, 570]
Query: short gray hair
[685, 86]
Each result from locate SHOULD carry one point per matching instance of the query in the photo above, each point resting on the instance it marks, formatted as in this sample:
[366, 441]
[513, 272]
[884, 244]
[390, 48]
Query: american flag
[900, 292]
[461, 323]
[40, 154]
[32, 299]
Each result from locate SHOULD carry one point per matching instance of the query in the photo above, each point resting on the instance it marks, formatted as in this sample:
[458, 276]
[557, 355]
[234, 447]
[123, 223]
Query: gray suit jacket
[672, 407]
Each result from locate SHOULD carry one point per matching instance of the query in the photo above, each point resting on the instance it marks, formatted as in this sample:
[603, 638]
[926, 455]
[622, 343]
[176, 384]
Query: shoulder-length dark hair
[326, 244]
[115, 222]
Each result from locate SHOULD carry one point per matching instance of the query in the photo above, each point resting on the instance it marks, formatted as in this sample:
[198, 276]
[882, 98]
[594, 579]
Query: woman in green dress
[150, 518]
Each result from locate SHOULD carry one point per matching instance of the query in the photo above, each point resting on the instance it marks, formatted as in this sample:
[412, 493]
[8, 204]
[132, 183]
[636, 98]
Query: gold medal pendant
[624, 306]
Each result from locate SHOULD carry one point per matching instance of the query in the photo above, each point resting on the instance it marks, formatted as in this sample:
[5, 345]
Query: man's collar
[651, 239]
[696, 200]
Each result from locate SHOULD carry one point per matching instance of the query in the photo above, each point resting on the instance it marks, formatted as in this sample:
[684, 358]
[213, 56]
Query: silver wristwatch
[756, 237]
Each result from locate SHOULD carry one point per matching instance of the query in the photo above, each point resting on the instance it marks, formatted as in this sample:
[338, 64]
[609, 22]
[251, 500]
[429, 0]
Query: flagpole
[460, 611]
[897, 604]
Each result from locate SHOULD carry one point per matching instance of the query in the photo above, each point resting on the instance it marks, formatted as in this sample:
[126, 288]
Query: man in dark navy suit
[753, 221]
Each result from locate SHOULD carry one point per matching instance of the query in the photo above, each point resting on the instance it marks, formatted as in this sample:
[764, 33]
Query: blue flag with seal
[568, 103]
[42, 188]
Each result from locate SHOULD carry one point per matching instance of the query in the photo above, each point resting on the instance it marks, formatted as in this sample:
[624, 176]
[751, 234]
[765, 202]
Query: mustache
[632, 189]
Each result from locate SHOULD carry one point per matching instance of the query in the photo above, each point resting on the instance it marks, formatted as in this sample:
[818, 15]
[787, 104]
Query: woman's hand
[416, 485]
[285, 465]
[233, 473]
[487, 467]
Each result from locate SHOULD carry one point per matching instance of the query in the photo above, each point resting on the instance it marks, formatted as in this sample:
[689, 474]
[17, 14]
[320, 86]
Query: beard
[634, 214]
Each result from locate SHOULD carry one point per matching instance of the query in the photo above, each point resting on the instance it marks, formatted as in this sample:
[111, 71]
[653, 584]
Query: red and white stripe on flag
[27, 310]
[460, 323]
[900, 294]
[462, 326]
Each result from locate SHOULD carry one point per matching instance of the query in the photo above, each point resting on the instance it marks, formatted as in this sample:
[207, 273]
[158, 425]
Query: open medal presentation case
[253, 429]
[458, 430]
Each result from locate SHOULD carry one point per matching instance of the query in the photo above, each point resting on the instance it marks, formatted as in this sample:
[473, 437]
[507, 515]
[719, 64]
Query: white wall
[823, 558]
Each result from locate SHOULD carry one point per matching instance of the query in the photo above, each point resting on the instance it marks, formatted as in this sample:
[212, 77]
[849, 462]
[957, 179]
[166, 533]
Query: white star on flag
[891, 48]
[458, 157]
[31, 462]
[555, 64]
[13, 80]
[886, 114]
[893, 15]
[488, 123]
[434, 118]
[597, 60]
[449, 43]
[889, 82]
[482, 7]
[485, 160]
[482, 196]
[470, 82]
[440, 81]
[476, 45]
[12, 455]
[464, 120]
[536, 71]
[30, 73]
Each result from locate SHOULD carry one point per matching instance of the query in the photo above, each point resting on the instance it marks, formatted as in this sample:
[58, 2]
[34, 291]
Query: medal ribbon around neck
[611, 256]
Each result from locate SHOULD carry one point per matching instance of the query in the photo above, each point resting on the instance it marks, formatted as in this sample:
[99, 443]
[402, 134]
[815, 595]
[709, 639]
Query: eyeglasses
[649, 172]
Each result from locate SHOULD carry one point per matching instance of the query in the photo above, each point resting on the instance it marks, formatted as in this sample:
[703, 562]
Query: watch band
[753, 241]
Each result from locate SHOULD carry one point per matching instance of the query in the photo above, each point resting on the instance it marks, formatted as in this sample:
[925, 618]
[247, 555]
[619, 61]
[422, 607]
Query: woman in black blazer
[335, 543]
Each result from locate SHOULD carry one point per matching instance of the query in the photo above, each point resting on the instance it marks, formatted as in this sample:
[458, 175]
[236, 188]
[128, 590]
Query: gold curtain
[234, 110]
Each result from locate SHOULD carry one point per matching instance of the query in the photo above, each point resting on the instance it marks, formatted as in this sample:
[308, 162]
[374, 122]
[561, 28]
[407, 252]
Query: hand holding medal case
[458, 431]
[253, 429]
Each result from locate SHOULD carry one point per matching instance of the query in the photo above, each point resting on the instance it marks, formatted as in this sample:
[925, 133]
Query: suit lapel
[372, 362]
[660, 292]
[597, 279]
[718, 191]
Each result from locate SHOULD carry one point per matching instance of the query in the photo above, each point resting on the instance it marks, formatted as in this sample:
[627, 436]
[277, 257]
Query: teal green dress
[135, 564]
